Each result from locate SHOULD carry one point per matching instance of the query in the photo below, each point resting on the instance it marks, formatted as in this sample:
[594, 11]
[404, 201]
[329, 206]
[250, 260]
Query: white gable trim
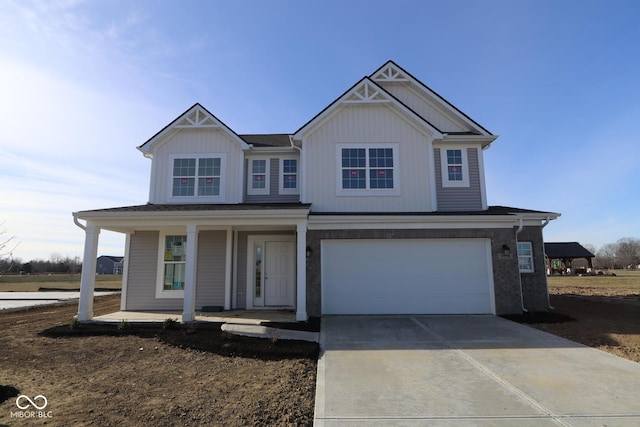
[389, 72]
[366, 92]
[196, 117]
[392, 72]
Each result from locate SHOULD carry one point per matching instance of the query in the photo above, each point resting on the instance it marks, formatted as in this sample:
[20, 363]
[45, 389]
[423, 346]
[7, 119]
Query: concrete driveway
[467, 371]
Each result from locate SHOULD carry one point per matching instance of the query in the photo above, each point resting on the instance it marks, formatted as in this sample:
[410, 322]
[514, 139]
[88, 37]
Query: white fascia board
[535, 218]
[354, 222]
[195, 215]
[467, 139]
[129, 225]
[129, 221]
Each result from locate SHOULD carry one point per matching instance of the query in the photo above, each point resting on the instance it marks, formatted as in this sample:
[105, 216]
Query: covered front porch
[244, 317]
[188, 260]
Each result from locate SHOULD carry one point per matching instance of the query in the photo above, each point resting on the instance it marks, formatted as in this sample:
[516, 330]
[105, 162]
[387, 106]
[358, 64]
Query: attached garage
[409, 276]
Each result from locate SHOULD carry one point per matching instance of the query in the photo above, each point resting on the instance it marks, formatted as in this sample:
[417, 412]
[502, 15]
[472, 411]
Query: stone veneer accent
[506, 276]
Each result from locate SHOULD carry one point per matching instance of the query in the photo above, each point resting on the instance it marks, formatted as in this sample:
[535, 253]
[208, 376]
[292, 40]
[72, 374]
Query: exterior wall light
[506, 251]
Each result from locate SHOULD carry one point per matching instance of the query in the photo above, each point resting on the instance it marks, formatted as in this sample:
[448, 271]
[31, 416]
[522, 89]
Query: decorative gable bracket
[197, 119]
[390, 73]
[366, 92]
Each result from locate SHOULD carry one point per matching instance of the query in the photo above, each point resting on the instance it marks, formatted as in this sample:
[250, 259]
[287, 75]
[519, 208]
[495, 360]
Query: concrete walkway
[21, 300]
[467, 371]
[240, 322]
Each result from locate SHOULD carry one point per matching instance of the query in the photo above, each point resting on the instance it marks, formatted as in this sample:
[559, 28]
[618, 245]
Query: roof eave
[485, 140]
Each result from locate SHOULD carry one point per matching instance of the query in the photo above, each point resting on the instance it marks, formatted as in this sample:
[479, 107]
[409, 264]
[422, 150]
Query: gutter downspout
[520, 227]
[546, 279]
[76, 222]
[300, 168]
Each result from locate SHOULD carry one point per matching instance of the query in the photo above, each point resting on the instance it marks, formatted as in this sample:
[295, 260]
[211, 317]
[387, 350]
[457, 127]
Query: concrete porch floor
[241, 317]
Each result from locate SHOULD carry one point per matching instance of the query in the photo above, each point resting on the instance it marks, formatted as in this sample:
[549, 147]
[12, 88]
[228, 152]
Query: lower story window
[525, 257]
[174, 263]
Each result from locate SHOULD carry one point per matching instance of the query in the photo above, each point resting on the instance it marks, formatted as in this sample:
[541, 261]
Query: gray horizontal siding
[241, 271]
[453, 199]
[212, 246]
[142, 279]
[274, 186]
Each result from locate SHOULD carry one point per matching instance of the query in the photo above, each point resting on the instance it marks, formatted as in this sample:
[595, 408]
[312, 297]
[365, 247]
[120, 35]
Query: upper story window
[288, 176]
[196, 177]
[367, 169]
[258, 176]
[455, 168]
[525, 257]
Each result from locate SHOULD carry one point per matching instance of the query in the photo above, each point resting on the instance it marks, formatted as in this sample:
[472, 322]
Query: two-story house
[377, 205]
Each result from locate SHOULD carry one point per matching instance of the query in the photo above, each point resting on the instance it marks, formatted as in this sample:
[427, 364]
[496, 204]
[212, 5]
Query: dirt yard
[605, 312]
[100, 376]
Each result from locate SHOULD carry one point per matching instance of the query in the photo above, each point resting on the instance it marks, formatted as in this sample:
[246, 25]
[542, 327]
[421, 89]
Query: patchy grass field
[623, 284]
[32, 283]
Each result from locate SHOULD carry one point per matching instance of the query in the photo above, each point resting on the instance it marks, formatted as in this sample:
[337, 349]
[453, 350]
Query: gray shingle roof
[267, 140]
[202, 207]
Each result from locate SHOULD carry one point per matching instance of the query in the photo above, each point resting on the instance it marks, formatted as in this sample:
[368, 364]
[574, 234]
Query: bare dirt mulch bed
[105, 376]
[600, 312]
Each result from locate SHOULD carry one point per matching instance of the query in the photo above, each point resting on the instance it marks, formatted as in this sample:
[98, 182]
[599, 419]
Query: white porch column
[189, 310]
[227, 269]
[125, 272]
[301, 279]
[88, 278]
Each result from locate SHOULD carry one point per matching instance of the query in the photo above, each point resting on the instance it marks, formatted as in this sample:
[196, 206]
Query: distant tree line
[55, 264]
[12, 265]
[624, 254]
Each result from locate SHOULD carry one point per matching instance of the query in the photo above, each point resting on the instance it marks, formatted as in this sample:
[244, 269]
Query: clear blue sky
[82, 83]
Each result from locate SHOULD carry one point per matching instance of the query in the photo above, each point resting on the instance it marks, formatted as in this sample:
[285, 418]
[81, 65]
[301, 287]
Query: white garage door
[413, 276]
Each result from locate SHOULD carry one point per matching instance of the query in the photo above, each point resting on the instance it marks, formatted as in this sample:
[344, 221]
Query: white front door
[271, 271]
[279, 274]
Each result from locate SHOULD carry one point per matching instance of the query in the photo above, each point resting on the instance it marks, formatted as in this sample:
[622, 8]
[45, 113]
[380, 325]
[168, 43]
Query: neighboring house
[377, 205]
[560, 257]
[107, 264]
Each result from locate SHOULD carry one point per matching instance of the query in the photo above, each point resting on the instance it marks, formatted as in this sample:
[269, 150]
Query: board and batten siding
[274, 195]
[441, 119]
[143, 275]
[453, 199]
[212, 250]
[370, 123]
[197, 142]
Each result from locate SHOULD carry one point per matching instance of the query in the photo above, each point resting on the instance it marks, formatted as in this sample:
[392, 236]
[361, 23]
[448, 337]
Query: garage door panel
[406, 276]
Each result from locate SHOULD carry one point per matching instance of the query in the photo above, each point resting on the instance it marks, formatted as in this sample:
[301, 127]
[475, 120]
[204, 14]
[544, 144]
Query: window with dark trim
[367, 168]
[196, 177]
